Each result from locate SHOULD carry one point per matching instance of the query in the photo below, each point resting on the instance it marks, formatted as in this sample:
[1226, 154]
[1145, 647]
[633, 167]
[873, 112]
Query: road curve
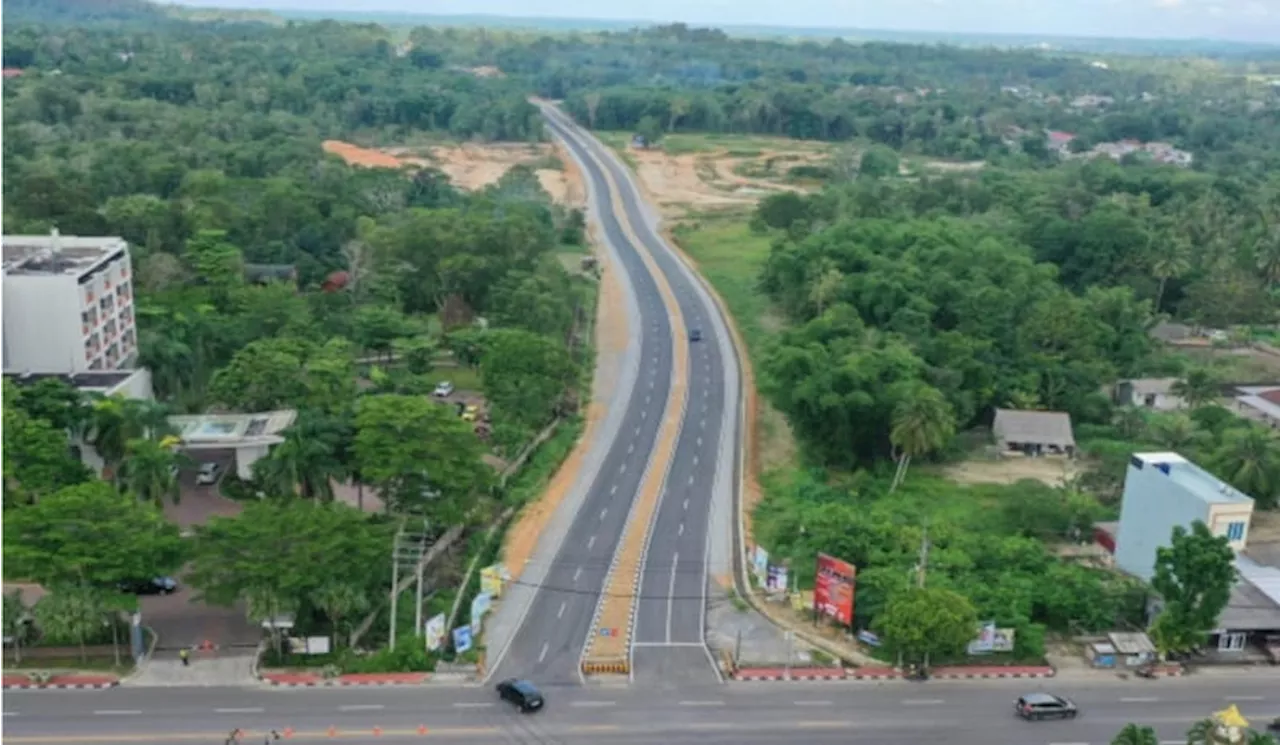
[693, 526]
[961, 713]
[548, 641]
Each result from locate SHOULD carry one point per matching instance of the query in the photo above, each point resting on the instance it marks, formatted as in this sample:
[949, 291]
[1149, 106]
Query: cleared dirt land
[471, 166]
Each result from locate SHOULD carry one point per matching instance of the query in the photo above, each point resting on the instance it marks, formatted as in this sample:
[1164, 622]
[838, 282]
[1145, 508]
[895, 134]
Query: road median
[608, 644]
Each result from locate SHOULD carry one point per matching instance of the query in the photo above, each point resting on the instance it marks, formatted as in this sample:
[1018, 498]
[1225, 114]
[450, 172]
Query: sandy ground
[1010, 470]
[471, 166]
[715, 180]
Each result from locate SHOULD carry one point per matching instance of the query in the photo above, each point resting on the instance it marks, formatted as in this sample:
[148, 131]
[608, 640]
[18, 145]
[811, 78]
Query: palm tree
[1249, 458]
[1266, 254]
[1134, 734]
[306, 462]
[923, 421]
[115, 420]
[150, 469]
[1130, 421]
[1199, 388]
[338, 600]
[1172, 263]
[1177, 431]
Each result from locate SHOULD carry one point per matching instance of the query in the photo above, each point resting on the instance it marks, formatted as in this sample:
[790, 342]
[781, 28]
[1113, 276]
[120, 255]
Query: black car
[695, 334]
[525, 695]
[1044, 706]
[153, 586]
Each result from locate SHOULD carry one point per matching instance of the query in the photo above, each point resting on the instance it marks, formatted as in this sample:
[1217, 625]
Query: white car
[208, 474]
[443, 389]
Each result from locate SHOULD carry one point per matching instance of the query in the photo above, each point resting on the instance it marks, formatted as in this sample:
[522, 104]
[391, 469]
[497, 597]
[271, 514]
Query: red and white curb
[984, 675]
[748, 675]
[60, 686]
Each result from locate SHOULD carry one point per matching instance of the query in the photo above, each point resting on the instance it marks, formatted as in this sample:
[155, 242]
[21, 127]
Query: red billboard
[833, 589]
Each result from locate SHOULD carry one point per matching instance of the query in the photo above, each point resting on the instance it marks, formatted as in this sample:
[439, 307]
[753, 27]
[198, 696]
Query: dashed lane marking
[560, 612]
[1139, 700]
[543, 654]
[591, 542]
[116, 712]
[921, 701]
[592, 704]
[812, 703]
[702, 703]
[360, 707]
[473, 704]
[249, 710]
[577, 573]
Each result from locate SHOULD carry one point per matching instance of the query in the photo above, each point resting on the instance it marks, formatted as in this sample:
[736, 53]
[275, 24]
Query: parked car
[524, 695]
[153, 586]
[208, 474]
[1044, 706]
[444, 389]
[470, 413]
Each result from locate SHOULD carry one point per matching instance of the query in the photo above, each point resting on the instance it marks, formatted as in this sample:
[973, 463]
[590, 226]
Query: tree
[17, 622]
[54, 401]
[925, 622]
[1172, 263]
[650, 128]
[264, 375]
[1193, 576]
[1134, 734]
[217, 263]
[1249, 458]
[338, 601]
[307, 461]
[150, 469]
[90, 535]
[878, 162]
[923, 421]
[279, 553]
[524, 377]
[115, 420]
[74, 612]
[1199, 388]
[37, 456]
[420, 456]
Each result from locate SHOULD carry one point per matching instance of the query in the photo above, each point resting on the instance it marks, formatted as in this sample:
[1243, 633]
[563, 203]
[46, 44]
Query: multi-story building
[1165, 490]
[68, 304]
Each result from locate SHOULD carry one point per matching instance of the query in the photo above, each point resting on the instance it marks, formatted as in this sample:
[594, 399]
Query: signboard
[776, 580]
[434, 629]
[492, 579]
[833, 589]
[991, 639]
[318, 645]
[479, 607]
[868, 638]
[760, 565]
[462, 639]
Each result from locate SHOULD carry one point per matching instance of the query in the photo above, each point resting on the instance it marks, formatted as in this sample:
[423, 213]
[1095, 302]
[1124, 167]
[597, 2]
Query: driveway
[199, 503]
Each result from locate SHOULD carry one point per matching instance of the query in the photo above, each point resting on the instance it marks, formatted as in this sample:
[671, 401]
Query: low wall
[67, 653]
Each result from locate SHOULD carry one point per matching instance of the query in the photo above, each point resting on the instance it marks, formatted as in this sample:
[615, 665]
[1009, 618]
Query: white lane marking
[593, 703]
[623, 469]
[469, 705]
[644, 414]
[1245, 698]
[560, 612]
[648, 398]
[686, 504]
[637, 431]
[921, 701]
[811, 703]
[699, 442]
[363, 707]
[543, 654]
[650, 384]
[116, 712]
[591, 542]
[702, 703]
[631, 448]
[1068, 743]
[1139, 700]
[613, 489]
[603, 512]
[577, 573]
[671, 592]
[695, 460]
[702, 424]
[250, 710]
[11, 713]
[681, 530]
[690, 481]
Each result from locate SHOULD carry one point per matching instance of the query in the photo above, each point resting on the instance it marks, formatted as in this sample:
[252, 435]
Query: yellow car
[470, 413]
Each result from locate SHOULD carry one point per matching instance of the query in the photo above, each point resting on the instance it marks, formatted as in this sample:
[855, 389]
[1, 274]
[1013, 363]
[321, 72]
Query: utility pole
[411, 543]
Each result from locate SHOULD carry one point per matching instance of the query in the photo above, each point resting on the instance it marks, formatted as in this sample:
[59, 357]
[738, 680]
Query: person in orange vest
[185, 655]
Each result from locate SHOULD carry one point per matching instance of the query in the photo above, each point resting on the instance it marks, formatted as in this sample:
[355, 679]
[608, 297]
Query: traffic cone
[333, 732]
[377, 731]
[288, 732]
[422, 729]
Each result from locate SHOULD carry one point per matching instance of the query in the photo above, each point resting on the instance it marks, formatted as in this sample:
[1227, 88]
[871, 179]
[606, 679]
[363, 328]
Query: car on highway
[1044, 706]
[443, 389]
[208, 474]
[524, 695]
[695, 334]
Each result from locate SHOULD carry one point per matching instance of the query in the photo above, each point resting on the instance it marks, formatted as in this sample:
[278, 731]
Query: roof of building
[1168, 331]
[232, 430]
[1038, 427]
[85, 381]
[56, 254]
[1131, 643]
[1192, 478]
[1255, 599]
[1151, 386]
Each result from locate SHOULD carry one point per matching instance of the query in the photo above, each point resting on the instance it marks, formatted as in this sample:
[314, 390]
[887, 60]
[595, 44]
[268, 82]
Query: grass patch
[463, 378]
[731, 258]
[62, 665]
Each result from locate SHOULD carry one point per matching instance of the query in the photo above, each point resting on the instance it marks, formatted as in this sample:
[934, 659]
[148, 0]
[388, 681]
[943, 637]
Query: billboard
[991, 639]
[833, 589]
[760, 565]
[435, 632]
[491, 580]
[776, 580]
[462, 639]
[479, 607]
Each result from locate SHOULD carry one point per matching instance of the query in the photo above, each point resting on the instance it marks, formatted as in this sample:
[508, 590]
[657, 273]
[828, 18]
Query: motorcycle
[1274, 726]
[1146, 671]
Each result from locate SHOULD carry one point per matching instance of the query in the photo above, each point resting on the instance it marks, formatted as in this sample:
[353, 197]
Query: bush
[408, 656]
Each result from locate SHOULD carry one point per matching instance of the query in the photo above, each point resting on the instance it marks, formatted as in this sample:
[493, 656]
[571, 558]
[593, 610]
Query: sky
[1238, 20]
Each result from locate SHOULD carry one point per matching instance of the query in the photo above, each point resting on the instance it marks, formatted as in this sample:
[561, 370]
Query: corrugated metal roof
[1035, 427]
[1265, 578]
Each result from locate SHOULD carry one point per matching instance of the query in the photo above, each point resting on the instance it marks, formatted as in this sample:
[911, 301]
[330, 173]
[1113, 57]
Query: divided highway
[548, 642]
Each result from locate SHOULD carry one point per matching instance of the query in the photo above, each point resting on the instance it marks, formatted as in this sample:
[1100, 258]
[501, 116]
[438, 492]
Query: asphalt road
[670, 617]
[895, 712]
[547, 646]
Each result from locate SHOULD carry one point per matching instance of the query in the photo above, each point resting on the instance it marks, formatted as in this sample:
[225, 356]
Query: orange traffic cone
[422, 729]
[288, 732]
[377, 731]
[333, 732]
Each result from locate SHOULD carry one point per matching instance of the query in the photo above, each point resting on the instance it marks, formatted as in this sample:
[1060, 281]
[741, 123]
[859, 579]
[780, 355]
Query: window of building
[1231, 642]
[1235, 531]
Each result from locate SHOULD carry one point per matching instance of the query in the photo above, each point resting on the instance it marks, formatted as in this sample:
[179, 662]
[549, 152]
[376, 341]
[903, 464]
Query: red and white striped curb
[60, 686]
[748, 675]
[969, 676]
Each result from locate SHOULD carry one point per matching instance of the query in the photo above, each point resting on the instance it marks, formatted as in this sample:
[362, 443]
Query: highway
[548, 642]
[668, 643]
[897, 712]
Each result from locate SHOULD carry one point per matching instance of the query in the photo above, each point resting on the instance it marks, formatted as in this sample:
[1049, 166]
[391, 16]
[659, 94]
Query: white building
[1165, 490]
[68, 304]
[1149, 393]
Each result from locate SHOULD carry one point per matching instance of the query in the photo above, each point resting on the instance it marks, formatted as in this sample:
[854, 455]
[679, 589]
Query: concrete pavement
[754, 713]
[552, 628]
